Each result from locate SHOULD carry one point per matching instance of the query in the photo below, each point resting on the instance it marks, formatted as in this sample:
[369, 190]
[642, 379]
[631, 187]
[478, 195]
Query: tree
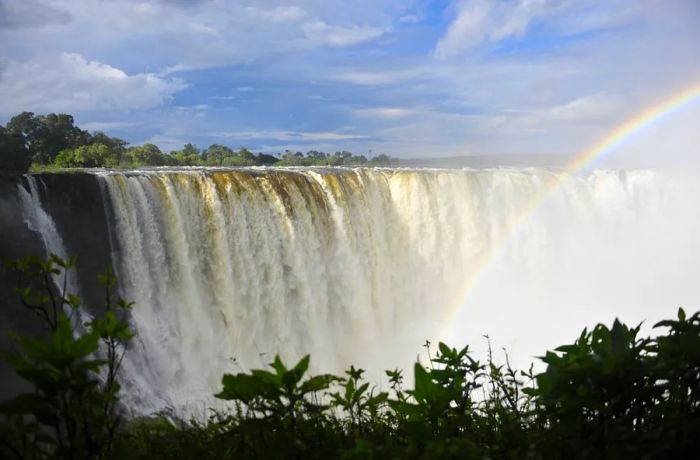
[381, 159]
[216, 153]
[87, 156]
[46, 135]
[146, 155]
[246, 155]
[316, 155]
[190, 149]
[14, 154]
[266, 159]
[115, 144]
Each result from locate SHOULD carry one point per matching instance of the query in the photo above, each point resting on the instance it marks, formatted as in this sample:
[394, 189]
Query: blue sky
[409, 78]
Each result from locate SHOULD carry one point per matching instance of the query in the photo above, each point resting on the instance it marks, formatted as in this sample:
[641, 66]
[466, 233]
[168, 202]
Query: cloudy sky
[412, 78]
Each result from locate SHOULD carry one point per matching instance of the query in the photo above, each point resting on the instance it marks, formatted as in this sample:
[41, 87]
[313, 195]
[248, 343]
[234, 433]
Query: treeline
[54, 140]
[610, 394]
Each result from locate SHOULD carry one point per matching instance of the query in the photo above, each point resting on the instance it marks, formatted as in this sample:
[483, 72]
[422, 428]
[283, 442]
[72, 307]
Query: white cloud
[595, 110]
[374, 78]
[16, 14]
[484, 21]
[68, 82]
[177, 36]
[316, 30]
[340, 36]
[410, 19]
[384, 112]
[469, 28]
[109, 125]
[286, 135]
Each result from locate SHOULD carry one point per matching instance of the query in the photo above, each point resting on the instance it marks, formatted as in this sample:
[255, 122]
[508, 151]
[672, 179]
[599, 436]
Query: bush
[73, 410]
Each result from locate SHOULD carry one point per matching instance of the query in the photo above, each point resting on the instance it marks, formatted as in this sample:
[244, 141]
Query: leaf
[378, 399]
[423, 384]
[317, 383]
[73, 300]
[85, 345]
[302, 365]
[240, 387]
[278, 366]
[445, 350]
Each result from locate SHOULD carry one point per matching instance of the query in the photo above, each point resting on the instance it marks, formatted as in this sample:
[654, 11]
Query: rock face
[74, 202]
[16, 240]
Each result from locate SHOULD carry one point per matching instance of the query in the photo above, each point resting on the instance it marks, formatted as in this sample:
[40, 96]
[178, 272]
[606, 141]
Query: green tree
[46, 135]
[116, 145]
[246, 155]
[216, 153]
[265, 159]
[14, 154]
[190, 149]
[381, 159]
[87, 156]
[146, 155]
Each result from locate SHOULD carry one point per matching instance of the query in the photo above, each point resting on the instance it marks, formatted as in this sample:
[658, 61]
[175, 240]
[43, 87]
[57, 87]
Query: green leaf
[302, 365]
[85, 345]
[73, 300]
[317, 383]
[278, 365]
[423, 384]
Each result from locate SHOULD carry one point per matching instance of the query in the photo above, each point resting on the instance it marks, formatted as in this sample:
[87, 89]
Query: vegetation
[53, 141]
[609, 394]
[73, 411]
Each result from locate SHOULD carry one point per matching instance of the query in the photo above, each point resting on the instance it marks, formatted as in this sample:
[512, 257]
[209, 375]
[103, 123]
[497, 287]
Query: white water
[37, 219]
[40, 221]
[361, 266]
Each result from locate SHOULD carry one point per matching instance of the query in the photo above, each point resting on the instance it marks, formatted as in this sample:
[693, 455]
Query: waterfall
[37, 219]
[40, 221]
[228, 267]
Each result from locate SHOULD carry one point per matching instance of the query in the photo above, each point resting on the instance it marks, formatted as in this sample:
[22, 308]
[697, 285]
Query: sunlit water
[363, 265]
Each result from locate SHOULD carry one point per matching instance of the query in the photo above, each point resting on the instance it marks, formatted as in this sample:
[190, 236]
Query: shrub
[73, 409]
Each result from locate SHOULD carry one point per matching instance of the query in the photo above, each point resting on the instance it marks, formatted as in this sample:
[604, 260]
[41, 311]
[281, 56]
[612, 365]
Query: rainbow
[607, 145]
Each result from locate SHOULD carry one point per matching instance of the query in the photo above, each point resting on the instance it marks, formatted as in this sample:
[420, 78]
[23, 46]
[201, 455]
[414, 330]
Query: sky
[412, 78]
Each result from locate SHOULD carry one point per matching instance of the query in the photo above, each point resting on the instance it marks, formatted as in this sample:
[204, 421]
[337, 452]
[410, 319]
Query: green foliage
[612, 393]
[46, 135]
[88, 156]
[14, 154]
[72, 411]
[53, 140]
[145, 155]
[609, 394]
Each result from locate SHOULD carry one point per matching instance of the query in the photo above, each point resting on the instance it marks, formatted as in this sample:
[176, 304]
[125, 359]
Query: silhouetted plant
[610, 394]
[72, 411]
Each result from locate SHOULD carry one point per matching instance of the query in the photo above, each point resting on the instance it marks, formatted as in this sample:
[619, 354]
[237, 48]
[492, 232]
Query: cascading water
[228, 267]
[37, 219]
[350, 266]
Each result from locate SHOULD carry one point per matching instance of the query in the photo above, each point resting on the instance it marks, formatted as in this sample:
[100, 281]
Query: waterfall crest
[228, 267]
